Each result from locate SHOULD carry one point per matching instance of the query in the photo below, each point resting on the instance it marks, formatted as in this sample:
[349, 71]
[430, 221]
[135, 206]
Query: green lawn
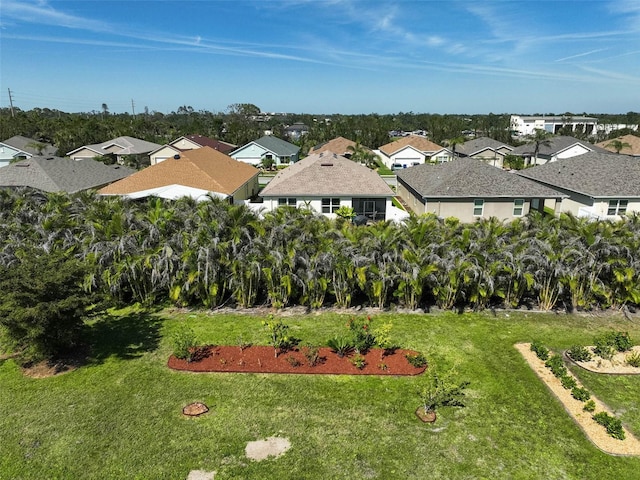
[120, 416]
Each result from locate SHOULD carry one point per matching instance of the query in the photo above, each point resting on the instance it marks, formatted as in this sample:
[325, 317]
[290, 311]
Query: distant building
[20, 148]
[527, 125]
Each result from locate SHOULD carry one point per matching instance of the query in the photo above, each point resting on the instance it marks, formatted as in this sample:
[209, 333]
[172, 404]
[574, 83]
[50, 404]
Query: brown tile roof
[630, 139]
[417, 142]
[219, 145]
[203, 168]
[338, 145]
[327, 174]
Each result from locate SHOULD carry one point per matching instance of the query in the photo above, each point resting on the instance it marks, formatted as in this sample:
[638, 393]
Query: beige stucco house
[189, 142]
[469, 189]
[412, 150]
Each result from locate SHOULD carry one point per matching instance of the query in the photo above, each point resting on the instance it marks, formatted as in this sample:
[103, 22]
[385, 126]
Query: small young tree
[43, 303]
[440, 390]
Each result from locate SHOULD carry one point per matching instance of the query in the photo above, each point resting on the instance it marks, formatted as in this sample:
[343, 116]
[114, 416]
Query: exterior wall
[315, 204]
[252, 154]
[570, 152]
[463, 208]
[413, 201]
[84, 153]
[601, 206]
[247, 190]
[162, 154]
[528, 125]
[407, 157]
[8, 153]
[185, 144]
[490, 157]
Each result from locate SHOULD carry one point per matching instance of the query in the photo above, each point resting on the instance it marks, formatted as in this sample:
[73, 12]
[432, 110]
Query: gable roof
[276, 145]
[203, 168]
[56, 174]
[630, 139]
[22, 143]
[479, 144]
[327, 174]
[470, 178]
[419, 143]
[214, 143]
[127, 146]
[556, 145]
[337, 145]
[593, 174]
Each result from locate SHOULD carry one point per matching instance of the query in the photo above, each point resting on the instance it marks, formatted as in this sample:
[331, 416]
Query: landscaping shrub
[589, 406]
[633, 359]
[418, 360]
[340, 345]
[362, 337]
[358, 361]
[612, 424]
[184, 343]
[293, 361]
[579, 353]
[312, 354]
[439, 390]
[568, 382]
[277, 334]
[540, 350]
[556, 365]
[622, 341]
[581, 394]
[606, 344]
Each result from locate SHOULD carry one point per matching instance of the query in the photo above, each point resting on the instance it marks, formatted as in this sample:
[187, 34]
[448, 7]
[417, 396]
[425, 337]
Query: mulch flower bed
[261, 359]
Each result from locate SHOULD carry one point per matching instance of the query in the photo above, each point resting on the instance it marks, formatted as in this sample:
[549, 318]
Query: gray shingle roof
[55, 174]
[22, 143]
[327, 174]
[556, 144]
[481, 143]
[471, 178]
[277, 146]
[594, 174]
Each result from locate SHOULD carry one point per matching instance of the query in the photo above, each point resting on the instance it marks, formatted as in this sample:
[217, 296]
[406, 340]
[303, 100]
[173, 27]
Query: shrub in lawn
[607, 344]
[622, 342]
[277, 335]
[417, 360]
[589, 406]
[568, 382]
[556, 365]
[293, 361]
[540, 350]
[581, 394]
[633, 359]
[362, 337]
[358, 361]
[382, 338]
[312, 354]
[439, 390]
[612, 424]
[340, 345]
[184, 343]
[579, 353]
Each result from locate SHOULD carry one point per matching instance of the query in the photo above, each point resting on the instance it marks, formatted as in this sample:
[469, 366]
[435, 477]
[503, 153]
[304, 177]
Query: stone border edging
[596, 433]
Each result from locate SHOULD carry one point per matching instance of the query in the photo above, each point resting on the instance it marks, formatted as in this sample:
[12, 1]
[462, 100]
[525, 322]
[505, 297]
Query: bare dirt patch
[595, 432]
[263, 449]
[617, 365]
[261, 359]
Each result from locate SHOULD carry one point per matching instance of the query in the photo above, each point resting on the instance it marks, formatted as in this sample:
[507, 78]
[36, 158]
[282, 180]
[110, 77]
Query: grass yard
[120, 416]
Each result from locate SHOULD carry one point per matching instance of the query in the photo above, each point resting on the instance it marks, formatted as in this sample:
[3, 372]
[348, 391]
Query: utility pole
[133, 108]
[11, 103]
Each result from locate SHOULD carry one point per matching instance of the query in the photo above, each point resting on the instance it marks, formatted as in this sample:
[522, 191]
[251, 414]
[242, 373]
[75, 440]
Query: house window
[478, 207]
[291, 202]
[518, 207]
[330, 205]
[617, 207]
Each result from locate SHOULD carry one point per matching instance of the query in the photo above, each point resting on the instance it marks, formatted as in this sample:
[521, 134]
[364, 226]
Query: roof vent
[176, 157]
[326, 164]
[49, 158]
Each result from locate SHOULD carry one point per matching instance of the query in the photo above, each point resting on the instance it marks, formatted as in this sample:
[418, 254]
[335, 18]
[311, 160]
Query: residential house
[527, 125]
[197, 173]
[189, 142]
[267, 147]
[56, 174]
[597, 185]
[324, 182]
[633, 148]
[119, 148]
[20, 148]
[557, 148]
[412, 150]
[468, 189]
[339, 145]
[295, 131]
[486, 149]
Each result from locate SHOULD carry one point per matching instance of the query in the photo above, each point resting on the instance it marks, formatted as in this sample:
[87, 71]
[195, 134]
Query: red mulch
[260, 359]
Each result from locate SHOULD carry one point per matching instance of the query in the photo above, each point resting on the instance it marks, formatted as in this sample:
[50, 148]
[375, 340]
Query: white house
[527, 125]
[412, 150]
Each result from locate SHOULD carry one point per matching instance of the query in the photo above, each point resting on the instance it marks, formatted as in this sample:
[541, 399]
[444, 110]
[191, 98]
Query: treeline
[211, 254]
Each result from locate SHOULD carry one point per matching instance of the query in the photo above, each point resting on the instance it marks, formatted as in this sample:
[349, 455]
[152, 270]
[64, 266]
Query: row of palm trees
[211, 254]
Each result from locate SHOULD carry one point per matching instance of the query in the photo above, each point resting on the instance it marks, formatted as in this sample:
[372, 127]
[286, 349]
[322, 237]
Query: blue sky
[315, 56]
